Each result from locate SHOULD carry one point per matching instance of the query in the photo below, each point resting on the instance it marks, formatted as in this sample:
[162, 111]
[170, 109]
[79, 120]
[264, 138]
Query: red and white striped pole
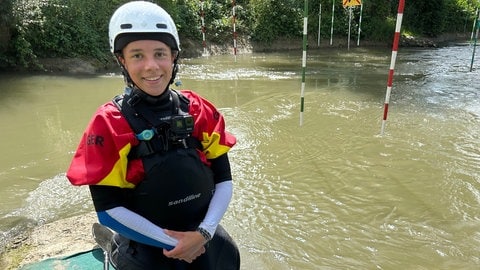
[202, 16]
[234, 31]
[396, 39]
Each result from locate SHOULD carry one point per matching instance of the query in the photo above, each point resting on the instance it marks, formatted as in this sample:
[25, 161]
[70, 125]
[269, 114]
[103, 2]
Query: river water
[329, 194]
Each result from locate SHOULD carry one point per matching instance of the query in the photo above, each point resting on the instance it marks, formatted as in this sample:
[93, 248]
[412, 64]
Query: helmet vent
[126, 26]
[162, 26]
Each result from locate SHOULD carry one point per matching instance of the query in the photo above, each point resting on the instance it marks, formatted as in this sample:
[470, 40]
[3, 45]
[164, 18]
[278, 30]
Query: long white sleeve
[218, 206]
[135, 227]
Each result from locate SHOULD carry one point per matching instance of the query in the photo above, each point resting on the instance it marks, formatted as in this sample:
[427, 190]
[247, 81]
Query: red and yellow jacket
[101, 156]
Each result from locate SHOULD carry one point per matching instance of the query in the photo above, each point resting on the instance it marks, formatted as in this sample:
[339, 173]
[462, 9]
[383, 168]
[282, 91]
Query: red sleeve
[209, 126]
[101, 156]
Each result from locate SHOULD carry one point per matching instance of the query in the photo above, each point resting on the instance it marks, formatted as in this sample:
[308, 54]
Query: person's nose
[151, 63]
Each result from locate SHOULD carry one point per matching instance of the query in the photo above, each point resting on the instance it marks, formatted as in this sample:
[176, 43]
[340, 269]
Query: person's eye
[161, 55]
[137, 56]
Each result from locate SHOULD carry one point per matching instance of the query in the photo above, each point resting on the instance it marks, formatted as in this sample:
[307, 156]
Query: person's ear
[121, 60]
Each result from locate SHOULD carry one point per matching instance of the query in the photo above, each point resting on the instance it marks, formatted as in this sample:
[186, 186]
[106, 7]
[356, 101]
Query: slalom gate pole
[477, 14]
[349, 26]
[319, 23]
[304, 60]
[475, 42]
[331, 28]
[360, 24]
[396, 39]
[202, 16]
[234, 31]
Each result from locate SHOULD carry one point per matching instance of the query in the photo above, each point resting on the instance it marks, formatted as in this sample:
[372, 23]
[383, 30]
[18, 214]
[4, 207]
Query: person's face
[149, 64]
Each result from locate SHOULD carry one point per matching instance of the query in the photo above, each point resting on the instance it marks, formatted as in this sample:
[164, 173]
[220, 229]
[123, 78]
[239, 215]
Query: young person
[156, 159]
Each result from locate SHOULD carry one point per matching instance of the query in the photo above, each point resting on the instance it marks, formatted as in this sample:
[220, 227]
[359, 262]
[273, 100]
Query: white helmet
[139, 20]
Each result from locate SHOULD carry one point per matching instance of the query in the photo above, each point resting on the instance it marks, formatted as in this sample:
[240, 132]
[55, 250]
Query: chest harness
[158, 128]
[178, 186]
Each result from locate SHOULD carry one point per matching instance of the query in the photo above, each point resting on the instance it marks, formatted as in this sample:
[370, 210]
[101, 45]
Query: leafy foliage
[276, 18]
[31, 29]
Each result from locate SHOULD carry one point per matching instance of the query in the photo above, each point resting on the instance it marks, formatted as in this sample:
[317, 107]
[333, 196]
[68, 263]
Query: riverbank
[57, 239]
[190, 49]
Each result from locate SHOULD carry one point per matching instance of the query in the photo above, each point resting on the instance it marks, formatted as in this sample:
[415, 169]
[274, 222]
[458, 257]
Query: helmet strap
[126, 76]
[175, 67]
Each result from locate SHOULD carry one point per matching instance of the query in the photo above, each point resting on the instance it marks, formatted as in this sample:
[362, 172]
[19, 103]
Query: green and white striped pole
[202, 17]
[360, 24]
[304, 60]
[331, 27]
[475, 41]
[474, 24]
[319, 24]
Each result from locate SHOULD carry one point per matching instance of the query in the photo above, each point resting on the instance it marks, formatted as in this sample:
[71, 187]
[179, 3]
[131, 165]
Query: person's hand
[190, 245]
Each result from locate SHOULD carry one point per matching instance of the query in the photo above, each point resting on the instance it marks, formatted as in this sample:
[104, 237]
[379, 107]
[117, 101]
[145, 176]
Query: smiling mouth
[152, 79]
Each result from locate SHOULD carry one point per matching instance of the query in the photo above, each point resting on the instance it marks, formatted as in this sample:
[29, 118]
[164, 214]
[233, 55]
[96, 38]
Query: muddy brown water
[330, 194]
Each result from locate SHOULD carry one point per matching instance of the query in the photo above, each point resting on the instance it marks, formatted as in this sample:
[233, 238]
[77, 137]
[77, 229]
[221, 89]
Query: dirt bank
[56, 239]
[191, 49]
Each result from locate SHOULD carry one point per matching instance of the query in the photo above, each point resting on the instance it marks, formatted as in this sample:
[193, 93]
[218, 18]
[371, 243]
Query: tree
[79, 28]
[425, 17]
